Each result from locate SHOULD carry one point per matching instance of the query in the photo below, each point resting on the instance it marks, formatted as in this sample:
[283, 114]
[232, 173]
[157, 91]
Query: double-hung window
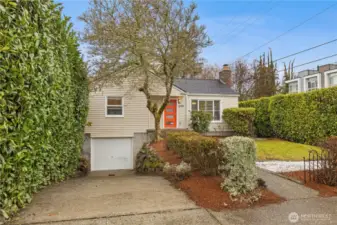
[332, 79]
[211, 106]
[114, 106]
[293, 87]
[312, 83]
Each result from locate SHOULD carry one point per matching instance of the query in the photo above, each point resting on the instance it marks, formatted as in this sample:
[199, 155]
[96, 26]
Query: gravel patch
[283, 166]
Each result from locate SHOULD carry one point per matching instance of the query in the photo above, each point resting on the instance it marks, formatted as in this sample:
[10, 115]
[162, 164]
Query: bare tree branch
[148, 40]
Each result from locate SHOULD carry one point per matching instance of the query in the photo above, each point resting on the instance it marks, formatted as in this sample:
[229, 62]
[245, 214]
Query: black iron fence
[320, 167]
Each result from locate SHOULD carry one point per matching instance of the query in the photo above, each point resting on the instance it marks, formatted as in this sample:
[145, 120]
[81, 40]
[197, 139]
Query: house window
[333, 79]
[293, 87]
[312, 83]
[114, 106]
[211, 106]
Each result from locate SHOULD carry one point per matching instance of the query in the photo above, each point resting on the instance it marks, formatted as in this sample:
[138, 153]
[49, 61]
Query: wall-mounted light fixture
[180, 98]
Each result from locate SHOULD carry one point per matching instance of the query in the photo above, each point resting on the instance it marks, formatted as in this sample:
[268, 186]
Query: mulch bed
[324, 190]
[166, 155]
[205, 191]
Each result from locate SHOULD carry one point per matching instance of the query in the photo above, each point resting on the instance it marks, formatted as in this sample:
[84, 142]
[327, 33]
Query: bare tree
[209, 71]
[147, 40]
[242, 78]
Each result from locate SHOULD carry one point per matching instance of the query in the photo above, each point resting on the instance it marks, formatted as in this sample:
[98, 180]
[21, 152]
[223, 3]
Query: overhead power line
[231, 20]
[234, 17]
[305, 50]
[247, 20]
[246, 25]
[288, 31]
[316, 60]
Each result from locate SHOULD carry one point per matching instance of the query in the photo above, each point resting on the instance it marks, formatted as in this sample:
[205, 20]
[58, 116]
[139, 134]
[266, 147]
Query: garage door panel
[111, 154]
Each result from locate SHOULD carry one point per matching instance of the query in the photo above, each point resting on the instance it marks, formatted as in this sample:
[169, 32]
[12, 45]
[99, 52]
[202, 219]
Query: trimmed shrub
[305, 117]
[240, 120]
[202, 152]
[43, 100]
[200, 121]
[148, 161]
[262, 123]
[163, 133]
[238, 165]
[178, 172]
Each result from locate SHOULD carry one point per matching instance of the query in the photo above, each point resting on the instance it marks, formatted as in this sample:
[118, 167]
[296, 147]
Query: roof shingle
[199, 86]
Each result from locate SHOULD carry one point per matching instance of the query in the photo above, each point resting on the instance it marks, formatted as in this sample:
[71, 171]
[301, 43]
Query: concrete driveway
[97, 197]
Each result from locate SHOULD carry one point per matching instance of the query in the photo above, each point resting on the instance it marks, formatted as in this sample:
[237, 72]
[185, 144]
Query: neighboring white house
[120, 120]
[308, 80]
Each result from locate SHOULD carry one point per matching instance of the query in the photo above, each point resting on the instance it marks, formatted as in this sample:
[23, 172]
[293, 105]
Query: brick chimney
[225, 75]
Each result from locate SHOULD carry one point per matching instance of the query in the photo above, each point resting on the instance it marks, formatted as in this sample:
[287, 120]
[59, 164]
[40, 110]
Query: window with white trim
[293, 87]
[211, 106]
[312, 83]
[114, 106]
[332, 79]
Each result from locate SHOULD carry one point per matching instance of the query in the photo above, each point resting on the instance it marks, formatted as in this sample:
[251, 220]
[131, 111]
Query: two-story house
[325, 76]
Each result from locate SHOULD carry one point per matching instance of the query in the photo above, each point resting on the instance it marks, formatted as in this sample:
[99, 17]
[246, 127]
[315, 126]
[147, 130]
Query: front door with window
[170, 114]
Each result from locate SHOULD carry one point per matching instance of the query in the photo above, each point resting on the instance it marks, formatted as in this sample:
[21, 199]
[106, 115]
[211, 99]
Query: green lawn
[274, 149]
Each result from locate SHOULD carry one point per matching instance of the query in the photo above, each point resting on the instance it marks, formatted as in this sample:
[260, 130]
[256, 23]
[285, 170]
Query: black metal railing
[320, 167]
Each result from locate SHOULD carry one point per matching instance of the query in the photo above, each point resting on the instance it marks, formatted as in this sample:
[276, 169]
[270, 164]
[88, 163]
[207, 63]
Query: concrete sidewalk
[314, 211]
[181, 217]
[318, 211]
[286, 188]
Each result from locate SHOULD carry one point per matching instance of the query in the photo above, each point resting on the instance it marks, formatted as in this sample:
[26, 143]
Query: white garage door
[111, 154]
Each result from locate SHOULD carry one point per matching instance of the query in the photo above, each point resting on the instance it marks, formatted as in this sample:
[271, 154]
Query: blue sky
[238, 27]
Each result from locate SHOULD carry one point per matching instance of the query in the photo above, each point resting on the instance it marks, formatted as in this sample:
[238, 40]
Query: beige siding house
[120, 120]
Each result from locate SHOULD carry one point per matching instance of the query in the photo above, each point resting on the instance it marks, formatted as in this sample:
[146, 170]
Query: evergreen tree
[288, 75]
[265, 76]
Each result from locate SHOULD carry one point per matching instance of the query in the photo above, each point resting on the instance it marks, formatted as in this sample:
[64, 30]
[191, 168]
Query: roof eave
[179, 88]
[213, 94]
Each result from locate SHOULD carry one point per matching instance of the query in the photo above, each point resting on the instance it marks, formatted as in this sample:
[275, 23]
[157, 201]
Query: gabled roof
[198, 86]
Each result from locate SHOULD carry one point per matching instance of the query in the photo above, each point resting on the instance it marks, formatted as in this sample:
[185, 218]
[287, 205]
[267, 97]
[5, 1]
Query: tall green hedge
[241, 120]
[43, 100]
[262, 123]
[304, 117]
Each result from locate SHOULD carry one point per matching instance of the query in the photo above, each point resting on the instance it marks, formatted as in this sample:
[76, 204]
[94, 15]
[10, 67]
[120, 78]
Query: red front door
[170, 114]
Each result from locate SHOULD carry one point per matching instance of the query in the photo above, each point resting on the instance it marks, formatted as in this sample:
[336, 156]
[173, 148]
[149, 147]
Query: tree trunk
[156, 126]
